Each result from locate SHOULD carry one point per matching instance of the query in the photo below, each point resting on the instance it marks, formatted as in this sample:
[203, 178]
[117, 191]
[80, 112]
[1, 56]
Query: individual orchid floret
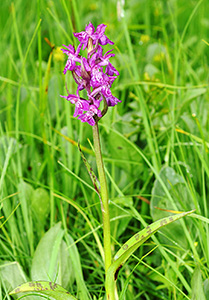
[99, 79]
[72, 58]
[97, 37]
[93, 73]
[105, 92]
[110, 99]
[84, 36]
[110, 70]
[100, 60]
[103, 39]
[90, 114]
[81, 105]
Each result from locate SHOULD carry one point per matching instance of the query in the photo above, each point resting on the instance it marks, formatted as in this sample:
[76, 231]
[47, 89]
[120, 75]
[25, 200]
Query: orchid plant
[94, 73]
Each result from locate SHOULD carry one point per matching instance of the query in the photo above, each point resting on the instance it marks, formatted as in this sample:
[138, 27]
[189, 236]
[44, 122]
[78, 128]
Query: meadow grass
[155, 146]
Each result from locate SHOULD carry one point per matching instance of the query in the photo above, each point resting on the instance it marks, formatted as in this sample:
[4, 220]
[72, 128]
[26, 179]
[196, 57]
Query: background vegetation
[155, 145]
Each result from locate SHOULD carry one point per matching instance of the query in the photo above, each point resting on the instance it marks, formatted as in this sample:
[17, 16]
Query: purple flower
[111, 100]
[72, 58]
[100, 60]
[81, 105]
[106, 93]
[103, 40]
[94, 73]
[110, 70]
[99, 79]
[97, 37]
[84, 36]
[89, 115]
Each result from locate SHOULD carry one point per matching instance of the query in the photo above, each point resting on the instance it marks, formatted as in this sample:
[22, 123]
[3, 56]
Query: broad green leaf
[120, 206]
[57, 260]
[51, 259]
[151, 70]
[206, 288]
[28, 191]
[82, 292]
[193, 93]
[50, 289]
[40, 206]
[12, 275]
[197, 285]
[120, 149]
[178, 191]
[139, 238]
[134, 243]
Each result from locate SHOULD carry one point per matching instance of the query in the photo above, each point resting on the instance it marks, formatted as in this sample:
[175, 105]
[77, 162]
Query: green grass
[155, 146]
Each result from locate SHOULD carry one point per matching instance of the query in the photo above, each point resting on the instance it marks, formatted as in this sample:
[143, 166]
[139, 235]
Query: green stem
[104, 197]
[104, 204]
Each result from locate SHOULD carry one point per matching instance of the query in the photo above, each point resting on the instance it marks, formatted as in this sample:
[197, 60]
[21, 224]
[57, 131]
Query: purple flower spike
[92, 72]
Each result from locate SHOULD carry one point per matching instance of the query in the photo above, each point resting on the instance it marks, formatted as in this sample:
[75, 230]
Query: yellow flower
[144, 38]
[158, 57]
[58, 55]
[146, 76]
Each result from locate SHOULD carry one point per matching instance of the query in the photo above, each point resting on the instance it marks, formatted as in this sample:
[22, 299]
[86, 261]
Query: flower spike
[92, 72]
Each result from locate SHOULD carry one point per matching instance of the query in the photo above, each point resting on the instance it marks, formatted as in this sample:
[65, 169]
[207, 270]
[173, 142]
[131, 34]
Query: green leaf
[40, 206]
[139, 238]
[51, 259]
[194, 93]
[197, 285]
[189, 96]
[12, 275]
[5, 144]
[53, 92]
[206, 288]
[122, 206]
[153, 50]
[50, 289]
[120, 149]
[28, 191]
[82, 291]
[178, 191]
[134, 243]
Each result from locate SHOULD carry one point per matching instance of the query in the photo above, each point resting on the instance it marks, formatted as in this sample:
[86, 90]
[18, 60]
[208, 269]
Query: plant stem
[104, 206]
[104, 197]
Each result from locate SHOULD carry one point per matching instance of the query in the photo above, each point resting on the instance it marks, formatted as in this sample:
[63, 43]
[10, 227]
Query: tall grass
[155, 146]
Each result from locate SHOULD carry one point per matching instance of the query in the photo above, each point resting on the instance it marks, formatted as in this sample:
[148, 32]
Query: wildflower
[58, 55]
[92, 72]
[144, 38]
[72, 58]
[104, 61]
[89, 115]
[97, 37]
[81, 105]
